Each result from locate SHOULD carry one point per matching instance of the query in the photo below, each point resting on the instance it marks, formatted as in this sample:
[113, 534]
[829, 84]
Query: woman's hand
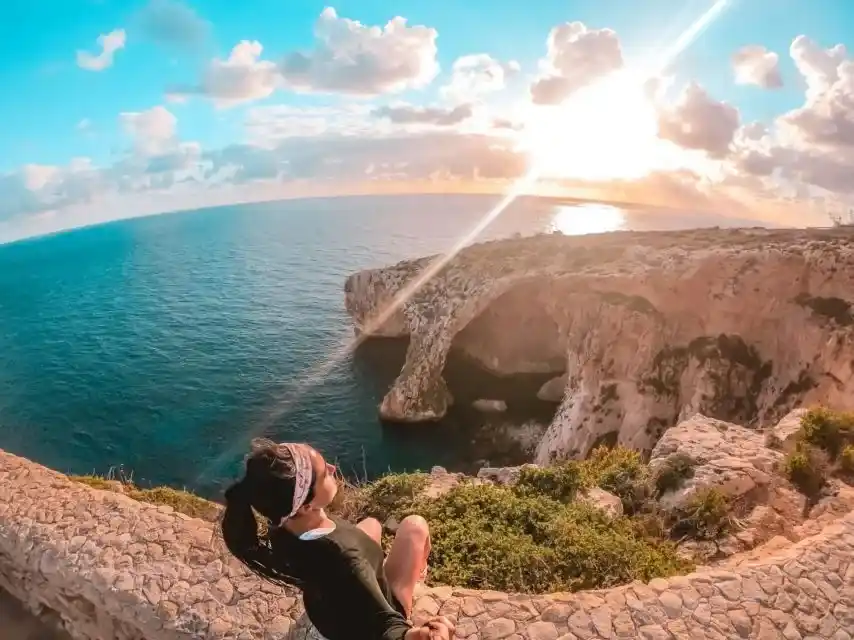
[438, 628]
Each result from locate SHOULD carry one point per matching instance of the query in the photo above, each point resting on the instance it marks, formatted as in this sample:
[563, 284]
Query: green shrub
[393, 494]
[560, 482]
[846, 459]
[492, 537]
[828, 430]
[706, 516]
[673, 472]
[807, 467]
[620, 471]
[351, 502]
[181, 501]
[652, 521]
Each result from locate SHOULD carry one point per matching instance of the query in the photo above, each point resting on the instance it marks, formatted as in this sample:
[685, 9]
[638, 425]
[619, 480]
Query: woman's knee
[415, 527]
[372, 527]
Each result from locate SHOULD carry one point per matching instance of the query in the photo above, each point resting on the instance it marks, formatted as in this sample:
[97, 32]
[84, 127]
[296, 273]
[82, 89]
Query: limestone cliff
[648, 327]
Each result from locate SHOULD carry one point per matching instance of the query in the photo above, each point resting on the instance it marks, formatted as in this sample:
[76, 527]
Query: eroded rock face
[649, 328]
[737, 462]
[786, 431]
[553, 390]
[723, 456]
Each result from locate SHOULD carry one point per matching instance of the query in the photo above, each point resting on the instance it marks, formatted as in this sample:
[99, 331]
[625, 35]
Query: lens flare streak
[316, 375]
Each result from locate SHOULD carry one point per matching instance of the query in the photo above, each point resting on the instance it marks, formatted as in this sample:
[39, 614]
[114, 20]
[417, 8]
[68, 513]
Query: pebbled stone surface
[110, 567]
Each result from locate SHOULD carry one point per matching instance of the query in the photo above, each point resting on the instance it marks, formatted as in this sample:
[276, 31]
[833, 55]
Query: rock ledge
[110, 567]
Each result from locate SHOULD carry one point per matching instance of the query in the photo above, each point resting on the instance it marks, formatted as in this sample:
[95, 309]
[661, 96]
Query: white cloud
[182, 157]
[507, 123]
[699, 122]
[331, 159]
[16, 198]
[241, 77]
[357, 59]
[348, 58]
[267, 126]
[84, 125]
[109, 43]
[576, 56]
[827, 117]
[808, 151]
[36, 176]
[754, 64]
[172, 23]
[819, 67]
[474, 76]
[152, 131]
[34, 189]
[416, 156]
[437, 116]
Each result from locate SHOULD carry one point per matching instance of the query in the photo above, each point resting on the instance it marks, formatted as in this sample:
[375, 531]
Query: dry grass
[180, 500]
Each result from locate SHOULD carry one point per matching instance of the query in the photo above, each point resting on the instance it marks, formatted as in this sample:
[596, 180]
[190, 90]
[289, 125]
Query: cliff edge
[646, 328]
[102, 565]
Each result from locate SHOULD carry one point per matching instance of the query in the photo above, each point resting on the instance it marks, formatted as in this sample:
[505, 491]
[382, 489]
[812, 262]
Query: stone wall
[110, 568]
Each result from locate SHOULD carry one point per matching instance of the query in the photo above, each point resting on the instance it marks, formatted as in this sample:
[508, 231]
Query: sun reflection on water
[582, 219]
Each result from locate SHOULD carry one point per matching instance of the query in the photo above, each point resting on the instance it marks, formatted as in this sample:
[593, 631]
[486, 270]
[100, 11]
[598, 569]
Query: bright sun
[605, 131]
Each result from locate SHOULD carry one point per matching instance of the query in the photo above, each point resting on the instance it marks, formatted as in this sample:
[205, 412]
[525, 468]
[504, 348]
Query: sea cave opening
[506, 353]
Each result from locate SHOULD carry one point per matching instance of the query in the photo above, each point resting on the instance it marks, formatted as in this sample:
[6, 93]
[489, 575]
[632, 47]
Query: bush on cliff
[181, 501]
[706, 516]
[616, 470]
[620, 471]
[824, 447]
[846, 460]
[510, 539]
[560, 483]
[673, 473]
[828, 430]
[807, 467]
[381, 499]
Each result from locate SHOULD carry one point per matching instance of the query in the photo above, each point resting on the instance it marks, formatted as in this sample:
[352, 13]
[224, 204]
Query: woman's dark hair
[268, 489]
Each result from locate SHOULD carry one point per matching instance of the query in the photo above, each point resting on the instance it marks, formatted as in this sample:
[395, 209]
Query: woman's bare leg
[407, 559]
[373, 528]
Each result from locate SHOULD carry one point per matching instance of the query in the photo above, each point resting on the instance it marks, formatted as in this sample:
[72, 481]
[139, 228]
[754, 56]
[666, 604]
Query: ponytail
[240, 533]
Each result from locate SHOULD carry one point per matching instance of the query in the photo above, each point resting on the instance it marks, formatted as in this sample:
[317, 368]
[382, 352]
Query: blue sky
[53, 110]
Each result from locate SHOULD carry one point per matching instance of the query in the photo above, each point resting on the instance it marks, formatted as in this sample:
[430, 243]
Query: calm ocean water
[162, 344]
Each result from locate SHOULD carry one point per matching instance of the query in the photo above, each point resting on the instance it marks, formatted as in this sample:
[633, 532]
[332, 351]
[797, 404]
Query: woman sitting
[350, 590]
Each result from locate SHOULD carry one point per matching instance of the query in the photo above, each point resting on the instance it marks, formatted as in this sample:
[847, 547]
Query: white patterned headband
[303, 475]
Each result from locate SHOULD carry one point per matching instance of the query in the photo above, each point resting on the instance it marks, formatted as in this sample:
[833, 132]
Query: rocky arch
[517, 331]
[639, 318]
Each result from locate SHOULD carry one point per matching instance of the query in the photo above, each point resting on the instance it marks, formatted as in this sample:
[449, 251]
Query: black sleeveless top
[345, 592]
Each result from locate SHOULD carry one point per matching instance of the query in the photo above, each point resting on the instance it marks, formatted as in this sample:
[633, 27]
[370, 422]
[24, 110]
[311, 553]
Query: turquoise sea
[162, 344]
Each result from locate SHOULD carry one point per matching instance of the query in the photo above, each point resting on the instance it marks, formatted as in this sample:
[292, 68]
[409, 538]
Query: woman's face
[325, 484]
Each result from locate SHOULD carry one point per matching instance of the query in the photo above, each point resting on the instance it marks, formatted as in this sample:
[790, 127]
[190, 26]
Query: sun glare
[605, 131]
[579, 220]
